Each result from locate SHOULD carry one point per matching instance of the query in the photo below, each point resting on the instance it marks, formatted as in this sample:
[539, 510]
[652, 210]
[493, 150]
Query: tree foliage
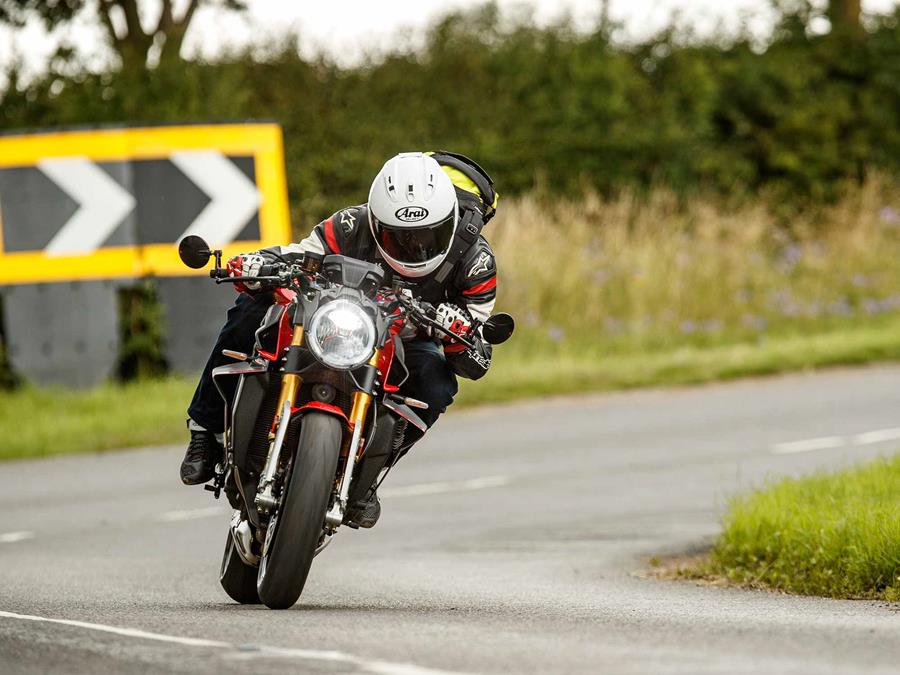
[132, 43]
[546, 107]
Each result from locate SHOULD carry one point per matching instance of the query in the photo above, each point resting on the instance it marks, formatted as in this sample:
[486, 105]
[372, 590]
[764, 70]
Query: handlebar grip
[269, 270]
[218, 274]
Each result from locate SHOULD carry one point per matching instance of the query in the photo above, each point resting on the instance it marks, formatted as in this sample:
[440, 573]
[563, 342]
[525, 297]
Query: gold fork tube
[290, 383]
[361, 404]
[353, 441]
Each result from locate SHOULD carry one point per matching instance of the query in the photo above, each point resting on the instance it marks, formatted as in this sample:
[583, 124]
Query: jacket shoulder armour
[352, 220]
[477, 264]
[342, 232]
[476, 280]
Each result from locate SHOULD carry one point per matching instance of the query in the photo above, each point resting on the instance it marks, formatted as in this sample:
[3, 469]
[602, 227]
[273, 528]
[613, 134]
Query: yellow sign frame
[261, 141]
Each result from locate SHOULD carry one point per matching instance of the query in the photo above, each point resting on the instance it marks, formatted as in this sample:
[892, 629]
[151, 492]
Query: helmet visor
[414, 245]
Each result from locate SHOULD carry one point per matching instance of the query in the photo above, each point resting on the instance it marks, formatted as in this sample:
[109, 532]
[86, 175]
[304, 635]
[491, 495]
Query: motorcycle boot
[203, 453]
[365, 512]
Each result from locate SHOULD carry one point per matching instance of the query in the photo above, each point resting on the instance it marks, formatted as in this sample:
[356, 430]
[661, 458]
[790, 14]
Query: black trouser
[430, 378]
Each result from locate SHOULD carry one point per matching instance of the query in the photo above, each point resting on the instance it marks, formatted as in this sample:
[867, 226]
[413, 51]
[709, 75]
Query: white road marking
[13, 537]
[829, 442]
[808, 445]
[242, 651]
[448, 486]
[407, 491]
[192, 514]
[233, 197]
[102, 205]
[878, 436]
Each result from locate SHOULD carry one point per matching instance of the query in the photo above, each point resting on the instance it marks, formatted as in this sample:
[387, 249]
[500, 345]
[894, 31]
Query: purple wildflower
[757, 323]
[871, 306]
[556, 333]
[889, 215]
[840, 307]
[612, 325]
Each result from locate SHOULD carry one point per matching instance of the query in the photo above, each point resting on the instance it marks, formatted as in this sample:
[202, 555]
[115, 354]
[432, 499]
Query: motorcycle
[316, 418]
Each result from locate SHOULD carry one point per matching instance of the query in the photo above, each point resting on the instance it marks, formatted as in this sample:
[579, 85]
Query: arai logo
[412, 214]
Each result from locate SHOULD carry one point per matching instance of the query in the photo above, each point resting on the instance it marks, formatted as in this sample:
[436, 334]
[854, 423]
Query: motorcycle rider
[423, 221]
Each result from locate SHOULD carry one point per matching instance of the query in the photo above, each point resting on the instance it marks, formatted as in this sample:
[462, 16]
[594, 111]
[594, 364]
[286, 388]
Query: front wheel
[294, 531]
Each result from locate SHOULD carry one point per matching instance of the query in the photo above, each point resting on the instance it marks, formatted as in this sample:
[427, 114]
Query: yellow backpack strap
[469, 176]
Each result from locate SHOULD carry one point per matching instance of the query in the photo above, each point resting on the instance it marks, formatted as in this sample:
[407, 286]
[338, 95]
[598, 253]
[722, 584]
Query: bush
[548, 107]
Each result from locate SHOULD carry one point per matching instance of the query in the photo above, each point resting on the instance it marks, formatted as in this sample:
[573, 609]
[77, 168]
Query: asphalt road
[509, 543]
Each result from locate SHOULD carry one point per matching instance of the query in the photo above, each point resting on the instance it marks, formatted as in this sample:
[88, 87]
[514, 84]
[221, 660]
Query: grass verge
[41, 422]
[574, 372]
[831, 534]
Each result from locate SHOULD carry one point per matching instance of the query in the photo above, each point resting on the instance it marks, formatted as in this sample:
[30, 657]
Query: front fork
[290, 385]
[266, 500]
[362, 401]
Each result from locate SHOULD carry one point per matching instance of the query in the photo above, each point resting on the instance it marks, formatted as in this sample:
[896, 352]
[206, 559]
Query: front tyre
[295, 529]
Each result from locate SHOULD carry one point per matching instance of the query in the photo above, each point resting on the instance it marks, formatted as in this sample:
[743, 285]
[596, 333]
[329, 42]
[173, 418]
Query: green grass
[832, 534]
[40, 422]
[573, 372]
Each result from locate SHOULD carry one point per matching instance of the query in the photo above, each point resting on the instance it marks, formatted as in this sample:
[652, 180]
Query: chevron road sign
[113, 203]
[84, 213]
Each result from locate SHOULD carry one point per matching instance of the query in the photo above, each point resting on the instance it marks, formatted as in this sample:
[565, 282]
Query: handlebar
[420, 316]
[280, 273]
[267, 274]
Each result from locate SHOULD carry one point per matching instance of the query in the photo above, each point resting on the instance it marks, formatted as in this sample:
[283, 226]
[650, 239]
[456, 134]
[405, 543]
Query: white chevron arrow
[233, 197]
[103, 204]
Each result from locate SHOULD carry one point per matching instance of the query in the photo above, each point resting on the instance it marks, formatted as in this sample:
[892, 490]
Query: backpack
[469, 177]
[476, 190]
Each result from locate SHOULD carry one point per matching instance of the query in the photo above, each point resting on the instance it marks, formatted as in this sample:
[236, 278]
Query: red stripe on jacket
[330, 237]
[482, 287]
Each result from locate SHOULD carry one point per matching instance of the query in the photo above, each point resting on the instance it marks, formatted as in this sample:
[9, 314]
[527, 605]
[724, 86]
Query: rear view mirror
[498, 328]
[194, 252]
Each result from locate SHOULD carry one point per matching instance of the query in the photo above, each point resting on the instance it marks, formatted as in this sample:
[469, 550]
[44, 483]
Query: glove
[246, 265]
[454, 319]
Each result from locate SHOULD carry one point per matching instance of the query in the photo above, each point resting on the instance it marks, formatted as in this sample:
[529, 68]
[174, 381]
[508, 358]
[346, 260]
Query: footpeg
[218, 482]
[411, 402]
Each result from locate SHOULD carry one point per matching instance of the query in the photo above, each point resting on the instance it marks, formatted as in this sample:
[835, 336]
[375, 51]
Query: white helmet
[413, 213]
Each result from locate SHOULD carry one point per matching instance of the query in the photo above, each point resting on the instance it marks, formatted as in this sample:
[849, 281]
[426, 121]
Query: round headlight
[341, 335]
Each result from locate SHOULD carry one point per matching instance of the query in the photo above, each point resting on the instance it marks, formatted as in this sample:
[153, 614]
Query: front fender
[323, 407]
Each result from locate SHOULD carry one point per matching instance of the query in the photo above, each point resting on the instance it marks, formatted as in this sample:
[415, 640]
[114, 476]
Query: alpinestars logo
[348, 220]
[482, 361]
[483, 264]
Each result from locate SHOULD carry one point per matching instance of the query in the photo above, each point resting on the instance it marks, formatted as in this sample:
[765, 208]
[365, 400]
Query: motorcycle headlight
[341, 335]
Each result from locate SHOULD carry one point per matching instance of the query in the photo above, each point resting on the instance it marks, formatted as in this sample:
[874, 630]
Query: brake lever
[261, 280]
[453, 336]
[418, 316]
